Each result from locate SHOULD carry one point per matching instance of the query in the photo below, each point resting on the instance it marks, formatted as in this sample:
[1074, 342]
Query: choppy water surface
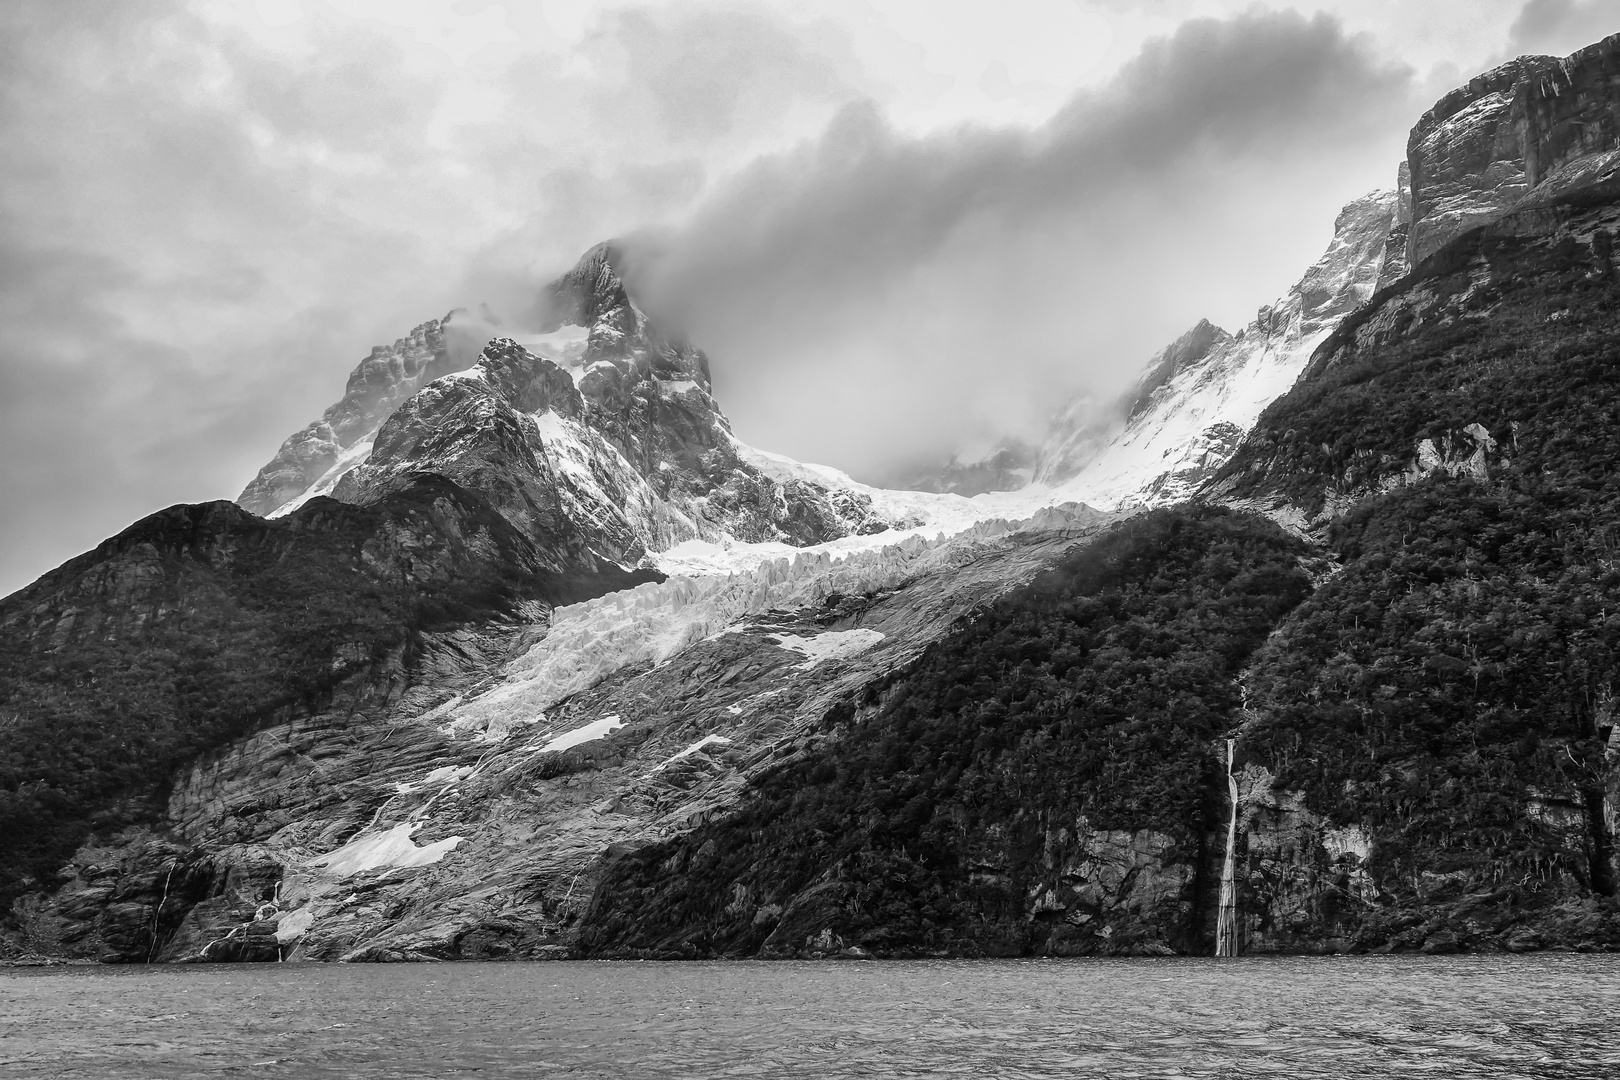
[1537, 1016]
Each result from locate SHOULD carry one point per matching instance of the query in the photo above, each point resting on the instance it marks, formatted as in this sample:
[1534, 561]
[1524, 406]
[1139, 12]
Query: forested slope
[1055, 750]
[1423, 741]
[200, 624]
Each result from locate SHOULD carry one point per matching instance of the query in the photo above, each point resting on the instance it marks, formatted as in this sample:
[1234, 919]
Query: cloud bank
[206, 220]
[908, 295]
[210, 211]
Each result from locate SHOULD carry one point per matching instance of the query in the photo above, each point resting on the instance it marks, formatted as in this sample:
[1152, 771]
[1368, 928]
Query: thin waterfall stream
[1226, 943]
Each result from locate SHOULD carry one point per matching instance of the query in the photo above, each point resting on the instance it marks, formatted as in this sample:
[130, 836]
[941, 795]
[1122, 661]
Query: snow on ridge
[352, 458]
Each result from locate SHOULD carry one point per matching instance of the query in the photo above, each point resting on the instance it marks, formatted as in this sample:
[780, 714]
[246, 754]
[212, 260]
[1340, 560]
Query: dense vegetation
[1090, 698]
[1448, 691]
[202, 623]
[1452, 688]
[1512, 332]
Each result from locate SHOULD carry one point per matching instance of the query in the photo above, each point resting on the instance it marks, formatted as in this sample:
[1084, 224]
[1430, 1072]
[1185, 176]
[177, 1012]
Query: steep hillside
[1424, 744]
[514, 755]
[202, 624]
[1039, 782]
[1452, 687]
[1425, 740]
[1197, 398]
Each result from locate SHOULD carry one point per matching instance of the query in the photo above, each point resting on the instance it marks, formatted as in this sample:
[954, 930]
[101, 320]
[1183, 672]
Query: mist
[910, 296]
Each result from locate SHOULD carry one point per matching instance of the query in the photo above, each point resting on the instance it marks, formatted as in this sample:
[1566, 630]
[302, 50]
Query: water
[1331, 1017]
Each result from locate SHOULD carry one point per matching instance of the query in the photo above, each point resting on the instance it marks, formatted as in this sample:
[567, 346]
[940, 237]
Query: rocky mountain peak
[592, 289]
[1485, 146]
[375, 388]
[1187, 349]
[531, 383]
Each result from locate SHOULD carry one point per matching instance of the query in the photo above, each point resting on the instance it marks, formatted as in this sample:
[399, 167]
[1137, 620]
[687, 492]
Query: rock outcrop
[1484, 147]
[314, 458]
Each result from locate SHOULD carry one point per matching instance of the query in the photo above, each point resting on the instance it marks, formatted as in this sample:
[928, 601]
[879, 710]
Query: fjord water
[1498, 1016]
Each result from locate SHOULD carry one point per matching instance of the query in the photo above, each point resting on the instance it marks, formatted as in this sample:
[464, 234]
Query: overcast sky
[898, 226]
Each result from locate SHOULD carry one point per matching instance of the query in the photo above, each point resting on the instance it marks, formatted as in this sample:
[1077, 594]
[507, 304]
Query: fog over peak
[911, 295]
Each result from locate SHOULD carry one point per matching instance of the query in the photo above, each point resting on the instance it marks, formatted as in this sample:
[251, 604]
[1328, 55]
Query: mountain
[1195, 399]
[598, 435]
[533, 658]
[1416, 674]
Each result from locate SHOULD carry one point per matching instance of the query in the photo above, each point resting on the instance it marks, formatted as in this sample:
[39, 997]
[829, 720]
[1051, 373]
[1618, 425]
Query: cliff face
[376, 387]
[1467, 156]
[1569, 110]
[1485, 146]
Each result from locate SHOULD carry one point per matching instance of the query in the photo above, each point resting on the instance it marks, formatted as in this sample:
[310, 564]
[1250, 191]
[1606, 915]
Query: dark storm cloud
[139, 227]
[1559, 27]
[202, 228]
[910, 294]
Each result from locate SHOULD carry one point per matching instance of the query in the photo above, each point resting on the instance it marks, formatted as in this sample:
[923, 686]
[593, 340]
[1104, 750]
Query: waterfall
[1226, 942]
[157, 913]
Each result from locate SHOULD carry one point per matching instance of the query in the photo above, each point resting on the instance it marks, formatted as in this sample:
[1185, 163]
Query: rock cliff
[1485, 146]
[313, 459]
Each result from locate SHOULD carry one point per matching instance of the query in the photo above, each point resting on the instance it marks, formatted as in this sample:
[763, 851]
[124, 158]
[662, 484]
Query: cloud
[205, 222]
[872, 298]
[1560, 27]
[206, 218]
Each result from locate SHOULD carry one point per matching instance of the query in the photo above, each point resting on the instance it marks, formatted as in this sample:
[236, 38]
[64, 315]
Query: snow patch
[707, 740]
[596, 729]
[389, 848]
[443, 775]
[831, 645]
